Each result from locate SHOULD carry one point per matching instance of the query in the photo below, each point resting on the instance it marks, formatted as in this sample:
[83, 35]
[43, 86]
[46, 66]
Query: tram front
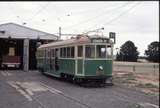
[98, 59]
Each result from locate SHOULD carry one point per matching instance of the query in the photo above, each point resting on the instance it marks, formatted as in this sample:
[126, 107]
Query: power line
[99, 15]
[121, 14]
[90, 10]
[13, 12]
[39, 11]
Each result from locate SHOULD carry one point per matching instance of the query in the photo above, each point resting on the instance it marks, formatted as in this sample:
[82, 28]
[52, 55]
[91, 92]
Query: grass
[147, 85]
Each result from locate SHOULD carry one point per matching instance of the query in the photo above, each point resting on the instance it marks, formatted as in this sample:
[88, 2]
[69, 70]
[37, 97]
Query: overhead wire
[91, 10]
[99, 15]
[39, 11]
[14, 13]
[117, 17]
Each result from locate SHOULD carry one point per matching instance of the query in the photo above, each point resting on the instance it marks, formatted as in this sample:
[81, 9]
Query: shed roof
[21, 32]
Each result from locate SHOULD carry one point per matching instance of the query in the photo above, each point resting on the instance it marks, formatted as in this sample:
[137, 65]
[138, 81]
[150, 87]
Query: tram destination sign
[99, 40]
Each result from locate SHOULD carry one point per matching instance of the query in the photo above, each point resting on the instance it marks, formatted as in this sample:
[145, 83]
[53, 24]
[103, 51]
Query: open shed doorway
[32, 54]
[10, 49]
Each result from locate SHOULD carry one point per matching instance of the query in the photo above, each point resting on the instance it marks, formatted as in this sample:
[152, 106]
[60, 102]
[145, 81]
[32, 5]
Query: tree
[128, 52]
[152, 52]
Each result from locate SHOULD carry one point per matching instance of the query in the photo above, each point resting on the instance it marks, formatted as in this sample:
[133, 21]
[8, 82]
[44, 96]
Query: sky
[137, 21]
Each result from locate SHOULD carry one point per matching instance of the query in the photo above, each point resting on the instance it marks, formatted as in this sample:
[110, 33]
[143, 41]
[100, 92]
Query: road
[20, 89]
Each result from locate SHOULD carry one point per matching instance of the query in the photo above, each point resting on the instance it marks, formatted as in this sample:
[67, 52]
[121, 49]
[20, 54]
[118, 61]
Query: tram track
[117, 93]
[54, 91]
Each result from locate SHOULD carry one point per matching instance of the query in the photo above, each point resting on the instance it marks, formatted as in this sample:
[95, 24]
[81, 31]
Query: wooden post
[26, 55]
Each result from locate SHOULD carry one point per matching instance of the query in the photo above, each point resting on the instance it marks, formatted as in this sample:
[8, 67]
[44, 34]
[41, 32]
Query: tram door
[80, 60]
[56, 59]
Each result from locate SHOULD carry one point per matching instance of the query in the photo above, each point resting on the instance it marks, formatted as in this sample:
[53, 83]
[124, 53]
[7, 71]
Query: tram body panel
[67, 66]
[91, 67]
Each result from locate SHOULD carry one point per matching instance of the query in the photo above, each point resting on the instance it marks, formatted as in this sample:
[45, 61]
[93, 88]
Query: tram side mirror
[112, 35]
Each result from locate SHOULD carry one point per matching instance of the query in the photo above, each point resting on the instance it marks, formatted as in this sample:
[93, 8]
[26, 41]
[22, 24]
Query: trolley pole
[59, 32]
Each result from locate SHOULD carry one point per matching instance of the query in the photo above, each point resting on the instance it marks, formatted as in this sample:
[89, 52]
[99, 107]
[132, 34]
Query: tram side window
[68, 52]
[52, 53]
[109, 51]
[101, 51]
[61, 52]
[48, 53]
[90, 51]
[64, 52]
[40, 53]
[80, 51]
[72, 52]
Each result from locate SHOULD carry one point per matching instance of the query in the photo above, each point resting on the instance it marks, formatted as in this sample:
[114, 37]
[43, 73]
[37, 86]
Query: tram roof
[77, 40]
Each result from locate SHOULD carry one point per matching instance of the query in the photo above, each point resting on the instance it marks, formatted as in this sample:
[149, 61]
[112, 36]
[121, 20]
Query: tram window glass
[48, 53]
[64, 52]
[52, 53]
[56, 52]
[90, 51]
[68, 52]
[101, 51]
[61, 52]
[109, 51]
[72, 52]
[40, 53]
[80, 51]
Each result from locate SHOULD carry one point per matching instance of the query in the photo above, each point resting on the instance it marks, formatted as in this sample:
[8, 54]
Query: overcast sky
[137, 21]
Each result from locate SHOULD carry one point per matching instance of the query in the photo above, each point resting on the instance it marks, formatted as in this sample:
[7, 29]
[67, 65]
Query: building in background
[18, 45]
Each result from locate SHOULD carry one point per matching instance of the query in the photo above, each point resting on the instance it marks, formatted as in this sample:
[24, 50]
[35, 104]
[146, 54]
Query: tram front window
[101, 51]
[90, 51]
[109, 52]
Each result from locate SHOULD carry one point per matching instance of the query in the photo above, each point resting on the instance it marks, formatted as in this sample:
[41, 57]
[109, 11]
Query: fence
[135, 67]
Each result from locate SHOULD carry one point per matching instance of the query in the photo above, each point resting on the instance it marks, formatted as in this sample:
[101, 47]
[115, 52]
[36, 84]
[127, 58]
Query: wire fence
[136, 67]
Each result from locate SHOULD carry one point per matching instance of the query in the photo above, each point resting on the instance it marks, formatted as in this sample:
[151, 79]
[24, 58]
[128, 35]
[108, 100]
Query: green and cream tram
[81, 59]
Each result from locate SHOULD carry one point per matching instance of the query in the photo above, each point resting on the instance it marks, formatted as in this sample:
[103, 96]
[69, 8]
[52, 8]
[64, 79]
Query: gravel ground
[20, 89]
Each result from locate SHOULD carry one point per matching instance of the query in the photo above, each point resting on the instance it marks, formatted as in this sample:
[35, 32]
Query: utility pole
[59, 33]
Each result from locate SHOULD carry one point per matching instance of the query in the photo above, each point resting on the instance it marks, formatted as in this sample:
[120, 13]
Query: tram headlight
[100, 67]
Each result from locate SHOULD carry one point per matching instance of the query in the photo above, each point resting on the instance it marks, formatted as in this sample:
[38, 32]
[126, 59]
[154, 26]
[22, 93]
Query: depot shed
[22, 41]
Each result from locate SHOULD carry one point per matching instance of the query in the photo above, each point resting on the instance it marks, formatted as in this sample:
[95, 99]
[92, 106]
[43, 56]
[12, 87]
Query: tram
[81, 59]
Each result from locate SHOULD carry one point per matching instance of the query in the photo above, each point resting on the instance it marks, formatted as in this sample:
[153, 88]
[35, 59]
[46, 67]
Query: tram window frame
[109, 55]
[80, 51]
[89, 52]
[99, 53]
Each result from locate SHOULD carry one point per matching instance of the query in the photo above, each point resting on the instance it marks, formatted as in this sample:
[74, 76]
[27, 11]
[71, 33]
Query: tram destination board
[99, 40]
